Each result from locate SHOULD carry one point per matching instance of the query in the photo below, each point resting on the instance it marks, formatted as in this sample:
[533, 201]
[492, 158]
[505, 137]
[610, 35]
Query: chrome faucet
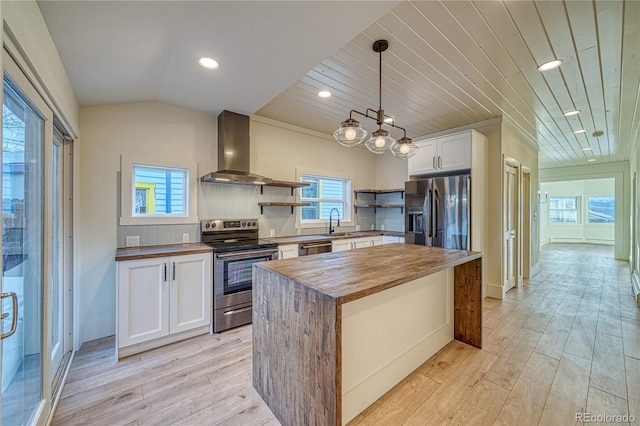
[331, 229]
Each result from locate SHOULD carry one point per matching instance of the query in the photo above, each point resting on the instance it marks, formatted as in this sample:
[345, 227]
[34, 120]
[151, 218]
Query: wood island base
[332, 333]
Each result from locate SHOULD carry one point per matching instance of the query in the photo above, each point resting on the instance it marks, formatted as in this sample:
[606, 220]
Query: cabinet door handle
[439, 162]
[165, 272]
[434, 162]
[173, 271]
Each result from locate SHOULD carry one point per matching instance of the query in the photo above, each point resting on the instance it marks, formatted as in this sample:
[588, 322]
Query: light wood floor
[566, 342]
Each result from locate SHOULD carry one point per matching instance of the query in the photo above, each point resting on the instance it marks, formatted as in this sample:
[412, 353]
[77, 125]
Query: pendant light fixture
[351, 133]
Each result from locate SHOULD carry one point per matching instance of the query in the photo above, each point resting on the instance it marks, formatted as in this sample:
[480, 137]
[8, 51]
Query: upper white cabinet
[443, 154]
[160, 297]
[287, 251]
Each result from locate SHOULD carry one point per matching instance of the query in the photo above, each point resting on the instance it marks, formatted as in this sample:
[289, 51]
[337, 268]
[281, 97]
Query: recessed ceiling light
[570, 113]
[591, 160]
[587, 148]
[324, 93]
[579, 131]
[550, 65]
[209, 63]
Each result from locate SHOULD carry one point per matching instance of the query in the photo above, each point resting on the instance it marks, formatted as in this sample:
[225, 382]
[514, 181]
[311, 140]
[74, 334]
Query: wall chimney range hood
[234, 152]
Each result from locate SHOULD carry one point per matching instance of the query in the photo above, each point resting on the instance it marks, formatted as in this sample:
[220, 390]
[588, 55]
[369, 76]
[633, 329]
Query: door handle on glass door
[14, 321]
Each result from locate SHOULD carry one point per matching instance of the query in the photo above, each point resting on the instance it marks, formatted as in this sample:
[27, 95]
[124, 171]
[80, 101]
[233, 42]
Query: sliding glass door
[22, 257]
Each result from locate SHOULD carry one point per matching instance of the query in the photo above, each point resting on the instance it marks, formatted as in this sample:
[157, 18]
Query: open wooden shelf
[285, 184]
[281, 204]
[375, 192]
[380, 206]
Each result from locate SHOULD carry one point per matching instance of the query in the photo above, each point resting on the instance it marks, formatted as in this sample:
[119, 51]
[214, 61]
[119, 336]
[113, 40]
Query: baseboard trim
[534, 270]
[156, 343]
[495, 291]
[635, 285]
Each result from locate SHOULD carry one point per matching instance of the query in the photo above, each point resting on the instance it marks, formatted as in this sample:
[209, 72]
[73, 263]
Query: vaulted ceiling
[449, 63]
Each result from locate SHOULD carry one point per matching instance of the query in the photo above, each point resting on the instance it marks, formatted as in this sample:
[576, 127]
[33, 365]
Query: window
[158, 192]
[324, 194]
[601, 209]
[563, 209]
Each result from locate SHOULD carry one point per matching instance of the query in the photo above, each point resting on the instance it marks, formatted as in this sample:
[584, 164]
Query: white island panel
[387, 335]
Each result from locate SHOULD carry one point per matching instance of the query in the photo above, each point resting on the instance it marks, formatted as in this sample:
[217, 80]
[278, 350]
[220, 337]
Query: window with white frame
[325, 193]
[601, 209]
[564, 209]
[157, 192]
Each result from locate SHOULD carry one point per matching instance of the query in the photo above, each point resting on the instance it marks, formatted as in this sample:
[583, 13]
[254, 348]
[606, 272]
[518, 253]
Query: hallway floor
[566, 342]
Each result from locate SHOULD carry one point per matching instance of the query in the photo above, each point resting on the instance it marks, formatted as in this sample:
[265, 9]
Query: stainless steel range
[236, 247]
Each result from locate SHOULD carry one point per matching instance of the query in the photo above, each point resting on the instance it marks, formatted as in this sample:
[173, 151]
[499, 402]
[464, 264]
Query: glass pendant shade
[404, 148]
[380, 142]
[350, 133]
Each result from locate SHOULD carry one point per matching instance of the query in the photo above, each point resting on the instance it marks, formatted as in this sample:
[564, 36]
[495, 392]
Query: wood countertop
[316, 238]
[147, 252]
[354, 274]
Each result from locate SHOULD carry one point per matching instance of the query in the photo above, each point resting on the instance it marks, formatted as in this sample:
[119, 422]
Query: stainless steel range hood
[234, 152]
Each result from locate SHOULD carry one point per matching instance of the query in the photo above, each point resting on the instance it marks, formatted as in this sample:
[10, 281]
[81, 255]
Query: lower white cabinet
[341, 245]
[162, 296]
[355, 243]
[390, 239]
[287, 251]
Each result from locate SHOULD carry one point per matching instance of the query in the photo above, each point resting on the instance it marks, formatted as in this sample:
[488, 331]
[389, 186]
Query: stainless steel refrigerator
[438, 212]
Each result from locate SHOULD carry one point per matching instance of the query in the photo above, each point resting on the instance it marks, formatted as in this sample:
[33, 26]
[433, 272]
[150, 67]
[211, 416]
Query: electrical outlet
[272, 232]
[372, 227]
[382, 227]
[133, 241]
[357, 228]
[185, 237]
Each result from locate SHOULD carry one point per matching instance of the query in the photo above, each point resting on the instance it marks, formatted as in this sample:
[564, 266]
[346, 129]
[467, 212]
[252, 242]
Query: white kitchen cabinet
[190, 292]
[390, 239]
[287, 251]
[443, 154]
[341, 245]
[161, 297]
[355, 243]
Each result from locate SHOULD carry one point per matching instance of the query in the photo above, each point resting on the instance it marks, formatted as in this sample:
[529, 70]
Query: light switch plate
[133, 241]
[185, 237]
[272, 232]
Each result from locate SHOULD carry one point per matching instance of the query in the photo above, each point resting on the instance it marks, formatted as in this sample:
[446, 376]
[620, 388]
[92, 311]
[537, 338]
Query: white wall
[582, 232]
[620, 172]
[161, 131]
[146, 129]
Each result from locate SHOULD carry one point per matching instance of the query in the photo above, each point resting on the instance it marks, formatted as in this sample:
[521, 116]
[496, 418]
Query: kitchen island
[334, 332]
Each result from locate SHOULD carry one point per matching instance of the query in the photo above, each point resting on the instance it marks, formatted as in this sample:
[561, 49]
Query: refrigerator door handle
[434, 214]
[426, 219]
[468, 212]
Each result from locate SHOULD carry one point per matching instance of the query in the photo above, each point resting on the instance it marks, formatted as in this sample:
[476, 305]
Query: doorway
[526, 223]
[510, 218]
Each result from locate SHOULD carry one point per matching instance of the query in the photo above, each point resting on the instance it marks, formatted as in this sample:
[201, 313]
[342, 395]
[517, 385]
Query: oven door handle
[303, 246]
[244, 254]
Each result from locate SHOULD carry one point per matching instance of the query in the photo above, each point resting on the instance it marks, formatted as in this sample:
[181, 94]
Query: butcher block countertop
[148, 252]
[317, 238]
[354, 274]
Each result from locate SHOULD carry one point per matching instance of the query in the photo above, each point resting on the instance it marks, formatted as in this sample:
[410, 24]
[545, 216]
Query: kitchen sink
[345, 234]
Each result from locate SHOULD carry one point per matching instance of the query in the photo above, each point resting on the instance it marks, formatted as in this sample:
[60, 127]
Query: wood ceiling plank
[392, 90]
[630, 84]
[609, 17]
[472, 62]
[418, 61]
[425, 76]
[583, 26]
[395, 96]
[419, 44]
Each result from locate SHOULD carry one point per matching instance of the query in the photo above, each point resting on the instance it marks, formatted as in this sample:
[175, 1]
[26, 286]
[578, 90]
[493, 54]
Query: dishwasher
[314, 248]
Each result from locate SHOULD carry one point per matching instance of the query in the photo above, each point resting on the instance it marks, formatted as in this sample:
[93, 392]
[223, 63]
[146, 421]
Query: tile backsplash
[222, 201]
